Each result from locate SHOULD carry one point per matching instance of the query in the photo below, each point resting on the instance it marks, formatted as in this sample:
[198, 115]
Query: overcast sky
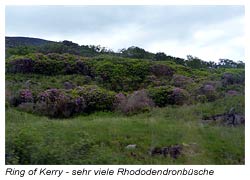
[208, 32]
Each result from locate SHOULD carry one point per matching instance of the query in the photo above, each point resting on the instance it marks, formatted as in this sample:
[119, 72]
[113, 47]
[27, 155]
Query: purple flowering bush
[182, 81]
[23, 65]
[232, 93]
[230, 78]
[138, 101]
[120, 98]
[178, 96]
[209, 91]
[23, 96]
[56, 103]
[161, 70]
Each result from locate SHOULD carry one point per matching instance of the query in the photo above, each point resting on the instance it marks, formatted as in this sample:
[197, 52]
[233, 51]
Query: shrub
[55, 103]
[178, 96]
[97, 99]
[160, 95]
[201, 98]
[23, 65]
[227, 79]
[50, 64]
[81, 67]
[49, 67]
[23, 96]
[181, 81]
[230, 78]
[209, 91]
[136, 102]
[120, 99]
[232, 93]
[121, 74]
[68, 85]
[27, 107]
[164, 95]
[161, 70]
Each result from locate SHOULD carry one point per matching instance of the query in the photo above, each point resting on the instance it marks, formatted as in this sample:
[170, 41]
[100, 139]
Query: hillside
[72, 104]
[12, 42]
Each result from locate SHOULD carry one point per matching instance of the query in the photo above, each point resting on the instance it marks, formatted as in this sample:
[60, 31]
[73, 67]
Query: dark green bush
[23, 65]
[51, 64]
[164, 95]
[96, 98]
[121, 74]
[160, 95]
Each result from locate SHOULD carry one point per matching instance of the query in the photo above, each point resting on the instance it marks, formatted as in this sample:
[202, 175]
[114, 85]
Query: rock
[131, 146]
[156, 151]
[175, 151]
[165, 151]
[229, 118]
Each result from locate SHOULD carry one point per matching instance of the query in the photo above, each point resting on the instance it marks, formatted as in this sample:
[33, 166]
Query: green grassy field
[102, 137]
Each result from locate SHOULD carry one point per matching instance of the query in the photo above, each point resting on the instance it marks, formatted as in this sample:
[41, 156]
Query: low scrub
[55, 103]
[164, 95]
[138, 101]
[96, 98]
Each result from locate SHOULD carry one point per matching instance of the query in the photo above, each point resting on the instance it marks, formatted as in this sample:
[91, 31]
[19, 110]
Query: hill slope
[11, 42]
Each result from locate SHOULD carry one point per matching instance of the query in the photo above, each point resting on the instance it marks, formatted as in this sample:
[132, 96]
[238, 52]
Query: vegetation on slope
[102, 137]
[71, 104]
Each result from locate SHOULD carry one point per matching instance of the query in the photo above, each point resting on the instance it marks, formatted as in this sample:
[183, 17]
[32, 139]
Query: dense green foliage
[24, 46]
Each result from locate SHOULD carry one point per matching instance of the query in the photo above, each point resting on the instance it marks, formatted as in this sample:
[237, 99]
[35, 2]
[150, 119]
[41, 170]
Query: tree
[160, 56]
[227, 63]
[195, 62]
[136, 52]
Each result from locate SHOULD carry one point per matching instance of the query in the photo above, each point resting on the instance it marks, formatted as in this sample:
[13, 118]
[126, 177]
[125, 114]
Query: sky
[207, 32]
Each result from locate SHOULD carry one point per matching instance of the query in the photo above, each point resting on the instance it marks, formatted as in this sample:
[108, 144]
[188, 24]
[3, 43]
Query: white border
[225, 172]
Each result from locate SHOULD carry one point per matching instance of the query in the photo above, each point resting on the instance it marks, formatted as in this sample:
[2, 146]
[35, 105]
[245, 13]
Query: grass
[38, 83]
[101, 138]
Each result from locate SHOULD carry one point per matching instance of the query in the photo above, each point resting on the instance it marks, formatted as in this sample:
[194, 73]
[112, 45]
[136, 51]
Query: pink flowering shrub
[136, 102]
[178, 96]
[161, 70]
[55, 103]
[209, 91]
[23, 96]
